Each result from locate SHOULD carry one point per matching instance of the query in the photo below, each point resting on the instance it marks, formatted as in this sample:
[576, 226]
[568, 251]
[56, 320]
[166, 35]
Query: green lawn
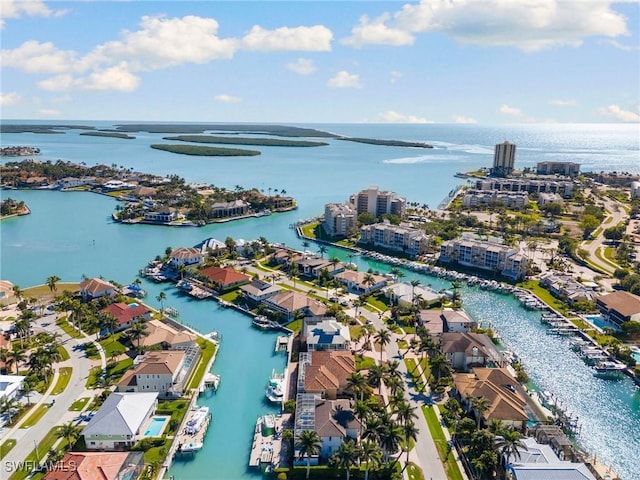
[412, 369]
[231, 296]
[176, 408]
[36, 415]
[64, 375]
[79, 404]
[37, 453]
[67, 328]
[157, 454]
[450, 466]
[6, 447]
[207, 349]
[114, 372]
[544, 295]
[364, 363]
[113, 346]
[64, 355]
[295, 325]
[414, 472]
[375, 302]
[309, 230]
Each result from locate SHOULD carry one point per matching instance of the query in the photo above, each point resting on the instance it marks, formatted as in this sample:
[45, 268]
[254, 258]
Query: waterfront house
[6, 292]
[259, 290]
[163, 371]
[163, 214]
[400, 238]
[619, 307]
[565, 287]
[121, 421]
[361, 283]
[167, 336]
[224, 278]
[467, 350]
[229, 209]
[325, 333]
[505, 397]
[454, 320]
[335, 423]
[92, 288]
[113, 185]
[290, 303]
[326, 373]
[211, 246]
[538, 460]
[185, 256]
[403, 294]
[97, 466]
[432, 321]
[127, 314]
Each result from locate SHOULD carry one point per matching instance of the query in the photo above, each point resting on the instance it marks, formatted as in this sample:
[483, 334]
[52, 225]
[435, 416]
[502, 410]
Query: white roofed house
[185, 256]
[325, 334]
[290, 303]
[361, 283]
[259, 290]
[121, 421]
[403, 294]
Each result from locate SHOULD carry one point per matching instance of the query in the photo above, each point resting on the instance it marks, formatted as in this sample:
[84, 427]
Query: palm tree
[438, 364]
[69, 432]
[161, 298]
[51, 283]
[480, 405]
[28, 386]
[375, 377]
[369, 452]
[390, 438]
[108, 323]
[5, 358]
[347, 455]
[404, 412]
[17, 357]
[305, 244]
[17, 291]
[7, 406]
[361, 410]
[309, 444]
[357, 383]
[383, 337]
[372, 428]
[322, 250]
[414, 284]
[511, 444]
[410, 433]
[137, 332]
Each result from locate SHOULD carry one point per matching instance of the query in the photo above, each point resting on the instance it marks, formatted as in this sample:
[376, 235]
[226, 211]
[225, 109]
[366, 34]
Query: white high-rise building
[378, 202]
[503, 159]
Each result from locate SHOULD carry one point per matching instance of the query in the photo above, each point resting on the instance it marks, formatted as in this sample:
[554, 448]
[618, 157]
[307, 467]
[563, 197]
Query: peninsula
[246, 141]
[200, 151]
[108, 134]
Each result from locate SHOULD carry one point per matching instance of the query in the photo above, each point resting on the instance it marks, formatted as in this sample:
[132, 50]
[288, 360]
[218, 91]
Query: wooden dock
[191, 439]
[282, 343]
[266, 448]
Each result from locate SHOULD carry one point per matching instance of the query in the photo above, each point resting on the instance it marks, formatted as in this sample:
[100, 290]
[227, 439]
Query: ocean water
[72, 234]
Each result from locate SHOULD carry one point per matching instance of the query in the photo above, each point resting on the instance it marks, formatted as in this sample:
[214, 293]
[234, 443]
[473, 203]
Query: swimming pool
[155, 427]
[599, 322]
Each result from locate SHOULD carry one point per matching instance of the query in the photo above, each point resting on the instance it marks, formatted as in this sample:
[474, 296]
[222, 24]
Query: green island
[389, 143]
[277, 130]
[108, 134]
[271, 142]
[205, 151]
[19, 128]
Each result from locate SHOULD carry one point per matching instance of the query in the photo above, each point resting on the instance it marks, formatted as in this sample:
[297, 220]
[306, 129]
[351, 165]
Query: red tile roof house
[355, 282]
[328, 372]
[335, 422]
[224, 278]
[97, 466]
[127, 315]
[92, 288]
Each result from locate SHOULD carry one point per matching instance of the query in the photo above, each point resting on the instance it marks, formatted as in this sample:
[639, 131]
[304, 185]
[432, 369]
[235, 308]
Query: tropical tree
[346, 456]
[404, 412]
[52, 283]
[510, 444]
[305, 244]
[439, 363]
[375, 376]
[107, 323]
[309, 444]
[410, 433]
[362, 411]
[357, 383]
[414, 284]
[18, 357]
[161, 298]
[322, 250]
[69, 432]
[28, 386]
[137, 332]
[369, 453]
[8, 406]
[5, 357]
[390, 437]
[479, 405]
[383, 337]
[17, 291]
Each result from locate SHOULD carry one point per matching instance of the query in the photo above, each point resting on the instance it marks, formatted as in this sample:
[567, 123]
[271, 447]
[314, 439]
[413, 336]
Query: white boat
[198, 420]
[276, 387]
[264, 323]
[189, 447]
[212, 379]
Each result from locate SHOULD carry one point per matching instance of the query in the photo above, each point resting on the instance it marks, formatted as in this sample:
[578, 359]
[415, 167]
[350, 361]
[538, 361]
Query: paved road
[59, 412]
[617, 214]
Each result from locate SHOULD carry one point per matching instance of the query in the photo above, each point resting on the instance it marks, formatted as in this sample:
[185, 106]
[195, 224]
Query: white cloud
[344, 79]
[224, 98]
[517, 113]
[564, 103]
[31, 8]
[391, 116]
[622, 46]
[313, 39]
[35, 57]
[117, 78]
[618, 113]
[62, 99]
[377, 32]
[529, 25]
[302, 66]
[396, 75]
[11, 98]
[48, 112]
[463, 119]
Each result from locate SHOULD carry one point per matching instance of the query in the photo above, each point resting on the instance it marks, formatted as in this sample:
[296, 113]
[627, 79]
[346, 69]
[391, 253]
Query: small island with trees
[12, 208]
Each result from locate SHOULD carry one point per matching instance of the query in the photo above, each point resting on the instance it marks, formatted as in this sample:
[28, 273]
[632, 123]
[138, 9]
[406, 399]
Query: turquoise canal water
[72, 234]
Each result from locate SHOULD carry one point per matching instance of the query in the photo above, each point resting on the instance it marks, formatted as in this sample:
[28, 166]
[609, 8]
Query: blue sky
[443, 61]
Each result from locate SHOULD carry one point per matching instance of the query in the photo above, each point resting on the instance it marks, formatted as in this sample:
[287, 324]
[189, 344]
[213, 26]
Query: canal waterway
[72, 234]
